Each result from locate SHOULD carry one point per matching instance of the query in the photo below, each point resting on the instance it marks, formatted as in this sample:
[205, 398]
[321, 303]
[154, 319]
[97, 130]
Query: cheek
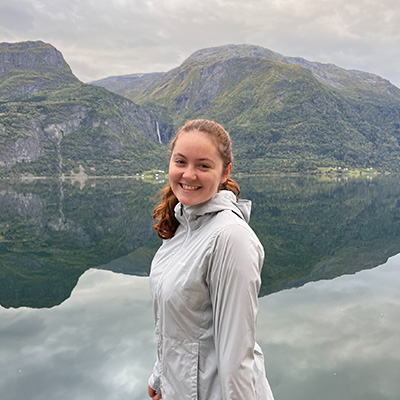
[173, 173]
[215, 182]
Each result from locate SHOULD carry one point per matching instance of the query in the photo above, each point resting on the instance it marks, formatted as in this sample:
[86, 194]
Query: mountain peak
[38, 56]
[232, 51]
[327, 73]
[29, 67]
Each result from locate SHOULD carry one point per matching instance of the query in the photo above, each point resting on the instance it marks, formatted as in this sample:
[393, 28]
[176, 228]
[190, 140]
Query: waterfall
[158, 132]
[59, 154]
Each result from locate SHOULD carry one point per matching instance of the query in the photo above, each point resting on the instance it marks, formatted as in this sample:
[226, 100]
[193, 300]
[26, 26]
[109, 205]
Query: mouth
[188, 187]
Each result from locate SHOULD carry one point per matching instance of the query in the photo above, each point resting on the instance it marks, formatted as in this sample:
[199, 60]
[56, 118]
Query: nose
[189, 173]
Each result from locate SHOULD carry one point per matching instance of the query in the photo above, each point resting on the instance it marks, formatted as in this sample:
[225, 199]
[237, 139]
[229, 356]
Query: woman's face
[196, 168]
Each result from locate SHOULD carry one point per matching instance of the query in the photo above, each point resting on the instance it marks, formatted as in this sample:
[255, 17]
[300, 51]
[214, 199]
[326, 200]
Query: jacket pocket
[180, 370]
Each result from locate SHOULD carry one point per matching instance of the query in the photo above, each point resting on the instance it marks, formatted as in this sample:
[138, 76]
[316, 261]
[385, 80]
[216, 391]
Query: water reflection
[320, 229]
[335, 339]
[96, 345]
[47, 240]
[51, 232]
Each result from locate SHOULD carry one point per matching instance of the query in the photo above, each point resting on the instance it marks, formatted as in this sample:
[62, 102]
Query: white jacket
[204, 284]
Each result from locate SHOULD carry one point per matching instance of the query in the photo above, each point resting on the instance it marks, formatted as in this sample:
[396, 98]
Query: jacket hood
[221, 201]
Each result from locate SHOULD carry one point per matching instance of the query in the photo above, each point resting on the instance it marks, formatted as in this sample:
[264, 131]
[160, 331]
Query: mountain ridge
[328, 73]
[280, 115]
[284, 114]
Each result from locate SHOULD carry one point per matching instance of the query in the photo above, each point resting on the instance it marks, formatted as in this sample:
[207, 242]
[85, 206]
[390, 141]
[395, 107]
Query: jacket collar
[223, 200]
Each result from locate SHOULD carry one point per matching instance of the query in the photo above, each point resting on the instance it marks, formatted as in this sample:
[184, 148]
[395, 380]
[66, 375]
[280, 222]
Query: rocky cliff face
[28, 68]
[51, 123]
[26, 56]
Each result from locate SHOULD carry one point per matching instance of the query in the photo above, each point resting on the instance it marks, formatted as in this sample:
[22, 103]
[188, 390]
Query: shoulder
[234, 237]
[230, 225]
[236, 254]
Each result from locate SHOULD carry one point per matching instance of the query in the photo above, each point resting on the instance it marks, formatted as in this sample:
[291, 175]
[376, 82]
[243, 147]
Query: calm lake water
[76, 318]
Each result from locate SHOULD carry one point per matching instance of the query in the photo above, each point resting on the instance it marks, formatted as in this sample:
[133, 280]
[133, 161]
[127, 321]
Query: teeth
[186, 187]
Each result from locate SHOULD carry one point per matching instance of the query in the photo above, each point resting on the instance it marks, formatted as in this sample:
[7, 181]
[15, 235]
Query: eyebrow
[197, 159]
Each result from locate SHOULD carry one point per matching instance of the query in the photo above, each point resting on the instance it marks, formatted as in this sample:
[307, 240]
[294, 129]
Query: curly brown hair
[164, 213]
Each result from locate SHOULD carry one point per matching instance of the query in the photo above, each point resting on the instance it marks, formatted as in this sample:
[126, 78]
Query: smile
[186, 187]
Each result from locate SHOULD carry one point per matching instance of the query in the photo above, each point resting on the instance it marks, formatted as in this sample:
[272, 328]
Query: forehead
[196, 142]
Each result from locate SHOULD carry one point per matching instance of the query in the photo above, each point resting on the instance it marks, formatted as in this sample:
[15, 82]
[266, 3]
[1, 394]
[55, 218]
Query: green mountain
[53, 124]
[283, 113]
[127, 83]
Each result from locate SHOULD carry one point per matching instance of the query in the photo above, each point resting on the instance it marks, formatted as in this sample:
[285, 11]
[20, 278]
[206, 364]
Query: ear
[226, 173]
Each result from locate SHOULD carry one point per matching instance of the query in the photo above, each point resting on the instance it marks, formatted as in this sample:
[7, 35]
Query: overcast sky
[101, 38]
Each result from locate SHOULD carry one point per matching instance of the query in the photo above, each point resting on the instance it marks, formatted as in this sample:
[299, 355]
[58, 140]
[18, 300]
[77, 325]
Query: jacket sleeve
[154, 380]
[234, 283]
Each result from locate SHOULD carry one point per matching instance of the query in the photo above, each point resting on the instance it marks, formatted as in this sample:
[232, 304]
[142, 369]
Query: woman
[205, 277]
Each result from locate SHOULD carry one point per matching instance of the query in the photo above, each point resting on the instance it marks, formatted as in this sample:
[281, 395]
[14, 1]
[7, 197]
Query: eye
[179, 161]
[204, 166]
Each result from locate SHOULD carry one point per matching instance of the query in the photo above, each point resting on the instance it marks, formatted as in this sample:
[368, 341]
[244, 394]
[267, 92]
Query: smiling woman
[205, 278]
[199, 167]
[196, 170]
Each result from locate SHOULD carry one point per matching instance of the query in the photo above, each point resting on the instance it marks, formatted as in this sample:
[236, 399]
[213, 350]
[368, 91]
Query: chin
[193, 201]
[189, 202]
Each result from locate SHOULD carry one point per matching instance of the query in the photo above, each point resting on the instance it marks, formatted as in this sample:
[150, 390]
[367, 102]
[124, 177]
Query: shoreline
[82, 177]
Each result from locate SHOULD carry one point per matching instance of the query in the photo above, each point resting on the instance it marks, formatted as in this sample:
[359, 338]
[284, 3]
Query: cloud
[14, 18]
[328, 339]
[337, 336]
[103, 38]
[98, 344]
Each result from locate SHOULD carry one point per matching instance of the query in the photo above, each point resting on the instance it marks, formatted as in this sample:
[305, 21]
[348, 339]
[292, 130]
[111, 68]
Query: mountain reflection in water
[329, 306]
[335, 339]
[51, 232]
